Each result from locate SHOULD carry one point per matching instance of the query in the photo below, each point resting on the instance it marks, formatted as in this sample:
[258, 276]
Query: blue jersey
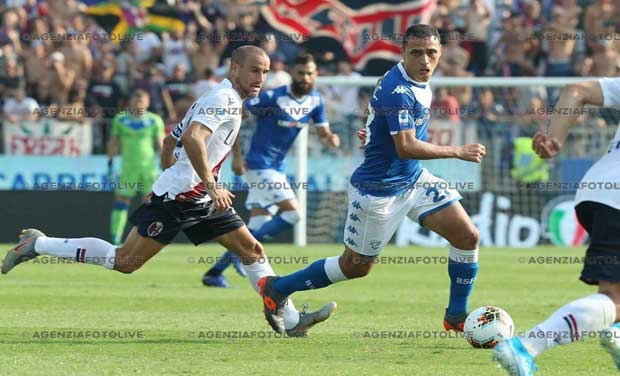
[398, 103]
[280, 118]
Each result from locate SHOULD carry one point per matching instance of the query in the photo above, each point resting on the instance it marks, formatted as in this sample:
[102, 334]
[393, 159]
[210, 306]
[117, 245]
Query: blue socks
[221, 264]
[272, 227]
[462, 278]
[312, 277]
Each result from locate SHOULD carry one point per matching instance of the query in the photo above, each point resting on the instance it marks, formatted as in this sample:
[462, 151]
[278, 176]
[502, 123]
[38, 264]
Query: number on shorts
[434, 191]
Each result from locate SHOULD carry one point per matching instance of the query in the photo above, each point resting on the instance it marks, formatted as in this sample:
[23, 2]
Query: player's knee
[250, 249]
[468, 239]
[354, 265]
[291, 216]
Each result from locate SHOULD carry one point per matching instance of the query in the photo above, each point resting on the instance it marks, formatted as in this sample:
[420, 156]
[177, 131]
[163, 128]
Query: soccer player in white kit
[598, 211]
[186, 197]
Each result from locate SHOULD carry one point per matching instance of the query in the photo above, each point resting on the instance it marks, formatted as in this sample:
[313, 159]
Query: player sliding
[281, 113]
[598, 211]
[391, 184]
[186, 196]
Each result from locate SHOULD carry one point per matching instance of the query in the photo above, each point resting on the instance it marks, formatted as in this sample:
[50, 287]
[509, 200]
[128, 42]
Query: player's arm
[328, 138]
[409, 147]
[319, 117]
[194, 141]
[238, 162]
[113, 146]
[573, 97]
[166, 157]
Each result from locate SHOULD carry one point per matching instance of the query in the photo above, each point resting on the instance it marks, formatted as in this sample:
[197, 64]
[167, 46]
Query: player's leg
[126, 259]
[371, 222]
[453, 224]
[213, 277]
[287, 217]
[585, 316]
[437, 208]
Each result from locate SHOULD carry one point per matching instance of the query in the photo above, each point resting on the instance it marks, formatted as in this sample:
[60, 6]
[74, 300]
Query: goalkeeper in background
[139, 134]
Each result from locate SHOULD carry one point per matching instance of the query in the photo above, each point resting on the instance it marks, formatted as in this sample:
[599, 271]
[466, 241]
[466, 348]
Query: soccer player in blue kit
[281, 113]
[391, 184]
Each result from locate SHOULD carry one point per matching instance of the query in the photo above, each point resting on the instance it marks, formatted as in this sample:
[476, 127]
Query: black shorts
[602, 261]
[162, 220]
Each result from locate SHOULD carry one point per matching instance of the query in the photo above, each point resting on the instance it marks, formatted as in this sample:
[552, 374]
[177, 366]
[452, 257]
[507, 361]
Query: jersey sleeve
[319, 115]
[214, 112]
[261, 104]
[611, 91]
[398, 111]
[116, 126]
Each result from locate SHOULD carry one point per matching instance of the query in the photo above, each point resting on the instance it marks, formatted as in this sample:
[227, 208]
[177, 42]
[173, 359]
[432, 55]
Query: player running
[139, 134]
[391, 184]
[186, 196]
[598, 211]
[281, 113]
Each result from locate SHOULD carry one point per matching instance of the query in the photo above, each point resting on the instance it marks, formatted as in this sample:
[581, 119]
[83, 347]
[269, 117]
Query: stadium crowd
[71, 78]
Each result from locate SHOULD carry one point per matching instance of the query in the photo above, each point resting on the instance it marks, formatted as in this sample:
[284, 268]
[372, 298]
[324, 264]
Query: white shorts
[372, 220]
[266, 188]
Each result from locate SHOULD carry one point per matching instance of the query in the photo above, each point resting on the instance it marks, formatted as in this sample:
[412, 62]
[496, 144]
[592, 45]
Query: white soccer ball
[487, 326]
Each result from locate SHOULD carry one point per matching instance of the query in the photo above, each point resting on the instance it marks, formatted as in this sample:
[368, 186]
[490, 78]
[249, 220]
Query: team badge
[155, 229]
[403, 117]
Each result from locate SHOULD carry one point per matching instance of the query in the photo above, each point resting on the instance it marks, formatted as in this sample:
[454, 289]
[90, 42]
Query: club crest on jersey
[154, 229]
[403, 117]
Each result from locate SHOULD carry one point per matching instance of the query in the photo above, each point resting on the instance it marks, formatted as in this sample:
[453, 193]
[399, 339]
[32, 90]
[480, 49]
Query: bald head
[248, 68]
[241, 54]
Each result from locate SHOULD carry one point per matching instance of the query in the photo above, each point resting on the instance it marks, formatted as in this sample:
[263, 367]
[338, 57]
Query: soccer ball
[487, 326]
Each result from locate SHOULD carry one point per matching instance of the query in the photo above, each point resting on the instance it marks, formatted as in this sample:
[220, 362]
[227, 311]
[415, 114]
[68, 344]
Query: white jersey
[602, 181]
[220, 111]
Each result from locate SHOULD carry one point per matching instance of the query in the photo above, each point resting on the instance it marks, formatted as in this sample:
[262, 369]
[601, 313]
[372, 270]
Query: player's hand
[361, 135]
[332, 141]
[238, 166]
[472, 152]
[545, 146]
[222, 198]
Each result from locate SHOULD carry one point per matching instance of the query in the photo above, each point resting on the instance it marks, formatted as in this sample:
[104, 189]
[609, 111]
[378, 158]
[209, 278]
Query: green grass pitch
[164, 322]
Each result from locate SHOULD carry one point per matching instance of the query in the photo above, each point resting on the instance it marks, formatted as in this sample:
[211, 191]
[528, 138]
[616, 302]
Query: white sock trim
[257, 221]
[463, 256]
[333, 271]
[290, 216]
[609, 305]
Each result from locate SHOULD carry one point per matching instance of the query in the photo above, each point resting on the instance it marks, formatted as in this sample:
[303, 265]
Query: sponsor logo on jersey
[403, 117]
[560, 224]
[400, 89]
[155, 229]
[375, 244]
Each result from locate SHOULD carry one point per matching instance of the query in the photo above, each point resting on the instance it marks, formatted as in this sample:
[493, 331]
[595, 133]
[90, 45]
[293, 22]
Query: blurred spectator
[477, 21]
[454, 67]
[205, 56]
[599, 16]
[605, 62]
[179, 87]
[127, 67]
[453, 54]
[13, 75]
[148, 45]
[488, 113]
[205, 83]
[73, 109]
[34, 64]
[535, 118]
[18, 107]
[244, 34]
[277, 75]
[560, 36]
[153, 82]
[59, 77]
[103, 93]
[516, 48]
[445, 106]
[176, 50]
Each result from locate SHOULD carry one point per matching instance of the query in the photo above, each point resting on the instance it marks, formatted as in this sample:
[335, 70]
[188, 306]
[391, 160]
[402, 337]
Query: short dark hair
[304, 59]
[420, 31]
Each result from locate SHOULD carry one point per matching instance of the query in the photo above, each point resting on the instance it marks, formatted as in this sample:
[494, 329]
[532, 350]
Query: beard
[299, 89]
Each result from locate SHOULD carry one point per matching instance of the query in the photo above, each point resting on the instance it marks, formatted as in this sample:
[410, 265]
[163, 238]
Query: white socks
[332, 269]
[261, 269]
[85, 250]
[580, 318]
[463, 256]
[257, 221]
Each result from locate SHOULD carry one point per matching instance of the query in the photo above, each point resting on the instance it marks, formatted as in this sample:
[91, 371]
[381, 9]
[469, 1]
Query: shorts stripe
[421, 216]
